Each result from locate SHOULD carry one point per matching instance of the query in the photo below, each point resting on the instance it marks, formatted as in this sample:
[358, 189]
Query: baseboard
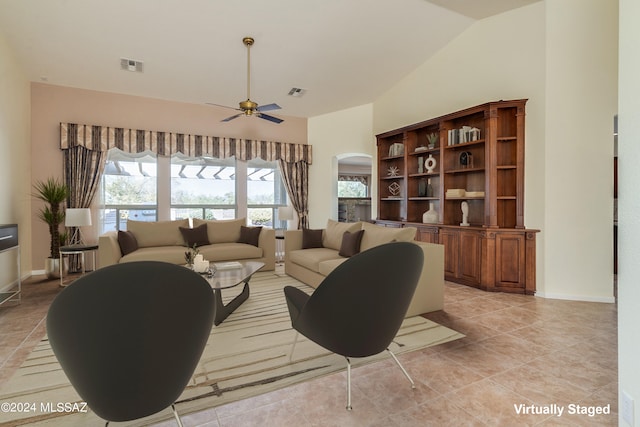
[38, 272]
[609, 300]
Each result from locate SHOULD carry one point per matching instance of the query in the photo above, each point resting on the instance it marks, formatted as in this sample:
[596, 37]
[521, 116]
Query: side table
[77, 250]
[279, 247]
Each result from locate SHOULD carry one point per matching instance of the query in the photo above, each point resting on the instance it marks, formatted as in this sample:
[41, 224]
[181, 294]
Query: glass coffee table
[229, 275]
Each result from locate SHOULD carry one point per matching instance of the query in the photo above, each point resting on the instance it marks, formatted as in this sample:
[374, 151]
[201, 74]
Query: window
[265, 193]
[129, 189]
[144, 187]
[353, 186]
[203, 188]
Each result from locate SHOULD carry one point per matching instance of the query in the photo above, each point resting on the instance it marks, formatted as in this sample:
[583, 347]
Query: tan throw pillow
[250, 235]
[351, 243]
[311, 238]
[158, 233]
[334, 232]
[376, 235]
[223, 230]
[196, 236]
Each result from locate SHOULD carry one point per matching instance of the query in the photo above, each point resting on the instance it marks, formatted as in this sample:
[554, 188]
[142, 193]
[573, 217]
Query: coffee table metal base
[223, 311]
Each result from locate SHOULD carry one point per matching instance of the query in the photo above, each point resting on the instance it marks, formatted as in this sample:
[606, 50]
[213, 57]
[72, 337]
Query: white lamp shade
[285, 213]
[77, 217]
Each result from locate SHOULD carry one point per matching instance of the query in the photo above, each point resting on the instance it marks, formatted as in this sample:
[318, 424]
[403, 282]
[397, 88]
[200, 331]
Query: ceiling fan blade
[268, 107]
[228, 119]
[270, 118]
[223, 106]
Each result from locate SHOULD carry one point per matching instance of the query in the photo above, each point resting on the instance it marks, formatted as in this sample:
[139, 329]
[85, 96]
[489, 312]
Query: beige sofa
[312, 265]
[163, 241]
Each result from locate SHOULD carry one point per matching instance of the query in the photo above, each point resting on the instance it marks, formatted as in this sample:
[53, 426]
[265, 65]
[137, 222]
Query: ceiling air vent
[131, 65]
[296, 91]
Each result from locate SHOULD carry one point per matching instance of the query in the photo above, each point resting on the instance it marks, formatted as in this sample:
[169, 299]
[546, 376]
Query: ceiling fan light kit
[248, 107]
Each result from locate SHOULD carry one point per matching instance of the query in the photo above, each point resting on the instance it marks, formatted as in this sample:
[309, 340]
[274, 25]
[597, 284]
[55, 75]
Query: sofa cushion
[311, 258]
[170, 254]
[326, 267]
[223, 230]
[376, 235]
[230, 251]
[127, 242]
[311, 238]
[350, 243]
[196, 236]
[158, 233]
[334, 231]
[250, 235]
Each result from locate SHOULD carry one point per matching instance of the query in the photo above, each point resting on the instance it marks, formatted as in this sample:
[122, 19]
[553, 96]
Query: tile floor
[518, 350]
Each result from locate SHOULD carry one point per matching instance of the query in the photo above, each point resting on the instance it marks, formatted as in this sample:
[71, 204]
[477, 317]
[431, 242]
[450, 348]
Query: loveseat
[217, 240]
[310, 255]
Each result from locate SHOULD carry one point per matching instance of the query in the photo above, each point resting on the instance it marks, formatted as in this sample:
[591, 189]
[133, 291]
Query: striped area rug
[247, 355]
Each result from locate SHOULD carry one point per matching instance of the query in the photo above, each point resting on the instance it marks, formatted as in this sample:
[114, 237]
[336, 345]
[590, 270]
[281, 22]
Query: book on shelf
[462, 135]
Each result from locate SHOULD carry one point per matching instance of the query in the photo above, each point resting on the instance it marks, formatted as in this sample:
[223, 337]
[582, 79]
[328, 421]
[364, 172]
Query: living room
[571, 59]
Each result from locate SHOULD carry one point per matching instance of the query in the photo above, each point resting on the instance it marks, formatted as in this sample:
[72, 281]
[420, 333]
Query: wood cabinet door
[450, 240]
[510, 261]
[428, 235]
[470, 257]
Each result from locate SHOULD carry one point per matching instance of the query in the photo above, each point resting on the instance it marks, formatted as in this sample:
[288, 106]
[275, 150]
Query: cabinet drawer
[8, 236]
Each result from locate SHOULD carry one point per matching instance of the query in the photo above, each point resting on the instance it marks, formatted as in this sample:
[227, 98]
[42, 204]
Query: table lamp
[285, 213]
[77, 217]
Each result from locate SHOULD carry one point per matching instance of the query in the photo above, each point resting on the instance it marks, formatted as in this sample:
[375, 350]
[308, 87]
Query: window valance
[363, 179]
[102, 138]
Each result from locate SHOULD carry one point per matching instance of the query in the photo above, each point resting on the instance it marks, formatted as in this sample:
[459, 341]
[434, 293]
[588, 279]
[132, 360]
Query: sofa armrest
[267, 242]
[292, 242]
[429, 294]
[108, 249]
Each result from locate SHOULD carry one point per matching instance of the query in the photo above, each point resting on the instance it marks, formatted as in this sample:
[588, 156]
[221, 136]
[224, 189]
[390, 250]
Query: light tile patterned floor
[519, 350]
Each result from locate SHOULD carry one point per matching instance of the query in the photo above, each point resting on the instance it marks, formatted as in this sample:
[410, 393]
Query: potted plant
[54, 193]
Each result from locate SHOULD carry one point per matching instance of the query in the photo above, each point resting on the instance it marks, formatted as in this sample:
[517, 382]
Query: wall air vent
[131, 65]
[296, 91]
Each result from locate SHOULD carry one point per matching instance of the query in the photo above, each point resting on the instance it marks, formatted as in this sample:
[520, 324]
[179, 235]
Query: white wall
[629, 205]
[332, 135]
[581, 101]
[528, 53]
[15, 158]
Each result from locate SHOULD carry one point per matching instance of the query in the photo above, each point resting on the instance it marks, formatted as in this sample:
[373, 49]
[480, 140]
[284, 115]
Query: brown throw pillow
[350, 243]
[127, 242]
[311, 238]
[249, 235]
[196, 236]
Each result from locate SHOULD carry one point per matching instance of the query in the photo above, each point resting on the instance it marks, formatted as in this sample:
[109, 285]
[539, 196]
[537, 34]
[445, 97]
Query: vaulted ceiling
[343, 53]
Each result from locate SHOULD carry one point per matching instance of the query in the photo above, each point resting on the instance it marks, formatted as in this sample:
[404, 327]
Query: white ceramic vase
[430, 216]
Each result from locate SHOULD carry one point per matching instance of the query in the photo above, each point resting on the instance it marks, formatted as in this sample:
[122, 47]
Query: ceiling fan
[248, 107]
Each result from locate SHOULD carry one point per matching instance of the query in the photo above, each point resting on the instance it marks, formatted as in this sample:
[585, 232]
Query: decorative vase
[420, 164]
[429, 190]
[430, 163]
[52, 267]
[430, 216]
[422, 188]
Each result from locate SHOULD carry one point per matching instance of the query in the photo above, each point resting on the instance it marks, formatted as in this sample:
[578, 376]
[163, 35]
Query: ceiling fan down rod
[248, 41]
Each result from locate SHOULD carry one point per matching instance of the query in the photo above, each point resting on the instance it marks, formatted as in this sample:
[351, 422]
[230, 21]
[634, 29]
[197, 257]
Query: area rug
[247, 355]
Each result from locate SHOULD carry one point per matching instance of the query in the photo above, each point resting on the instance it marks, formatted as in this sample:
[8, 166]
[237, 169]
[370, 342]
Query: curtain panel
[102, 138]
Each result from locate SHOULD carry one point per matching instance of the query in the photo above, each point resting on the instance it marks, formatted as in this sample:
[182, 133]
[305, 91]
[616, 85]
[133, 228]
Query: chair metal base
[349, 407]
[393, 356]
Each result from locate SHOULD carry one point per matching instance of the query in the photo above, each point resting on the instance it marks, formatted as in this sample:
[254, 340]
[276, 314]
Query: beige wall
[333, 136]
[54, 104]
[629, 205]
[529, 53]
[581, 101]
[15, 164]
